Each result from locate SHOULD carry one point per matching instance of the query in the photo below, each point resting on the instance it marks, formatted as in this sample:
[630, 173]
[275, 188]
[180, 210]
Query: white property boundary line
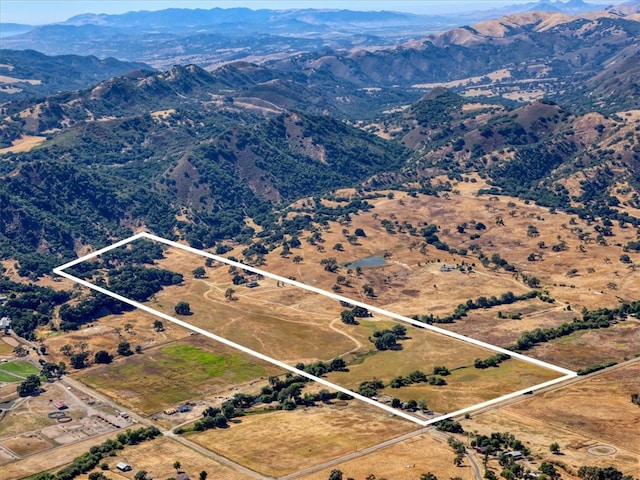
[567, 374]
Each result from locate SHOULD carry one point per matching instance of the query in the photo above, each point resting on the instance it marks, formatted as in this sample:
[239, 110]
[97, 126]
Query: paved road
[470, 458]
[432, 431]
[360, 453]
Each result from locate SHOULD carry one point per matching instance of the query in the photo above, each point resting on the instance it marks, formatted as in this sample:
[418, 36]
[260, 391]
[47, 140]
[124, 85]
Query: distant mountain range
[533, 53]
[211, 37]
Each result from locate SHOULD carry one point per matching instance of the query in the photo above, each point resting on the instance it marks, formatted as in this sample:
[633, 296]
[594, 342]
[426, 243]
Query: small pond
[367, 262]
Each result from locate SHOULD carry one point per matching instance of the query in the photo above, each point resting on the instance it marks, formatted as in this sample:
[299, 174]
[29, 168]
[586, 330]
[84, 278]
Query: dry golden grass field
[293, 325]
[406, 460]
[280, 443]
[23, 144]
[157, 458]
[412, 282]
[6, 350]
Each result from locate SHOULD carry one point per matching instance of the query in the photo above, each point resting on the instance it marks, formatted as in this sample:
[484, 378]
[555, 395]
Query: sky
[38, 12]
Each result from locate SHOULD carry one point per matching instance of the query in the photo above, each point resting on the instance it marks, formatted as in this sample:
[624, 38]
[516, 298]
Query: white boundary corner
[567, 374]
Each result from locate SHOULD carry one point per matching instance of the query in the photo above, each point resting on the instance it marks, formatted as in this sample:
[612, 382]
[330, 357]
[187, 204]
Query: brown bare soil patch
[7, 79]
[26, 444]
[23, 144]
[302, 438]
[163, 114]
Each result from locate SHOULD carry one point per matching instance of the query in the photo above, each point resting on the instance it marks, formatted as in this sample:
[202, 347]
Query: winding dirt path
[295, 308]
[350, 337]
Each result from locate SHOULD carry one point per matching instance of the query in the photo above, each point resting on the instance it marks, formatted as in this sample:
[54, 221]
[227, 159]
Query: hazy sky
[37, 12]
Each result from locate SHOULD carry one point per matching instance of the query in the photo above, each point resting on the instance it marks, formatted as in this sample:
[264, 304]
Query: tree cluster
[387, 339]
[493, 361]
[29, 387]
[481, 302]
[29, 306]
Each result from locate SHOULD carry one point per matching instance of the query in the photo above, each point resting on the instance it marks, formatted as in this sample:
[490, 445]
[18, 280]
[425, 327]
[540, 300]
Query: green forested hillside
[195, 154]
[165, 155]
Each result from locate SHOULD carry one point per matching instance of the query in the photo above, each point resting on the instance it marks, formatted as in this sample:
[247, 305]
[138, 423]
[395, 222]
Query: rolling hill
[31, 74]
[213, 155]
[165, 152]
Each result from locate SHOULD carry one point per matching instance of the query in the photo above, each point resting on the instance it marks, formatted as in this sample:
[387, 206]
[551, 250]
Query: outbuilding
[516, 455]
[5, 324]
[124, 467]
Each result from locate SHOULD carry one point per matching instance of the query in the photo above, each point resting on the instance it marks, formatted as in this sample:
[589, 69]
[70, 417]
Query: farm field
[276, 319]
[311, 435]
[173, 373]
[16, 371]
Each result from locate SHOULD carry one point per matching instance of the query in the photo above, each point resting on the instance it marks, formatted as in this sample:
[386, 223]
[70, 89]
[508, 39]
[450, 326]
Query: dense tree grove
[29, 306]
[136, 282]
[29, 387]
